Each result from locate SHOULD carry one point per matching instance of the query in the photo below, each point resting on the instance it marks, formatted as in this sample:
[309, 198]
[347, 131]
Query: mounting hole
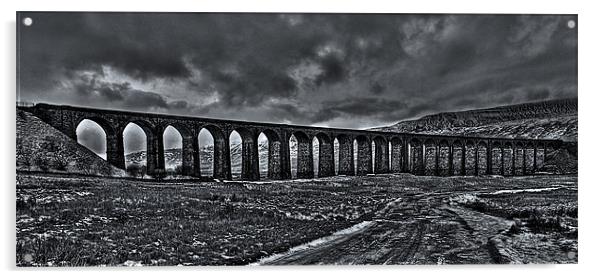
[571, 24]
[27, 21]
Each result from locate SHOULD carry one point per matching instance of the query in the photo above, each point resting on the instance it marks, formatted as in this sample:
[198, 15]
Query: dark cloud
[420, 109]
[456, 56]
[367, 106]
[371, 107]
[288, 113]
[178, 104]
[299, 68]
[121, 95]
[377, 88]
[333, 70]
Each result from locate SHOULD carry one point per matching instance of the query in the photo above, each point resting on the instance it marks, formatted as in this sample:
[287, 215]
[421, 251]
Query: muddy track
[417, 229]
[406, 249]
[393, 238]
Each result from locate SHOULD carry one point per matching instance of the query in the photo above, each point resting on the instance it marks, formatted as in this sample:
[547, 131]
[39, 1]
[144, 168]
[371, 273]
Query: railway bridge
[360, 152]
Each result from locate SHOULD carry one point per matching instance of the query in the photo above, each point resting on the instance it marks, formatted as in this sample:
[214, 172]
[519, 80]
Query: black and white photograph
[274, 138]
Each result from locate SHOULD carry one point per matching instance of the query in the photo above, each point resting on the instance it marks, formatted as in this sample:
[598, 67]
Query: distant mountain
[555, 119]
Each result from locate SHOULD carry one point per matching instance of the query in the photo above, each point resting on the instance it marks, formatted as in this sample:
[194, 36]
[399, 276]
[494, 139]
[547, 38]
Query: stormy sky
[334, 70]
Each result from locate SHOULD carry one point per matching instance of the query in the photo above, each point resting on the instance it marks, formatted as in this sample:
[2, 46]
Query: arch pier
[418, 154]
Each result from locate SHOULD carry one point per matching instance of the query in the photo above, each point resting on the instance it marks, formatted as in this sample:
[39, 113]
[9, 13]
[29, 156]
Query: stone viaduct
[418, 154]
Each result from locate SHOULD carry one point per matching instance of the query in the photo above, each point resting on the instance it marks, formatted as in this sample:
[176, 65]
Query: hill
[555, 119]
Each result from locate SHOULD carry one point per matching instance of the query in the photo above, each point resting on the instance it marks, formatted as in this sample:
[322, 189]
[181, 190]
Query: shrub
[539, 224]
[51, 144]
[23, 162]
[26, 203]
[159, 175]
[515, 228]
[136, 170]
[42, 162]
[178, 170]
[60, 163]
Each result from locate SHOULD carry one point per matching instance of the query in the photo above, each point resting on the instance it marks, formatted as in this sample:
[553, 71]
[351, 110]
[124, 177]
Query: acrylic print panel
[295, 139]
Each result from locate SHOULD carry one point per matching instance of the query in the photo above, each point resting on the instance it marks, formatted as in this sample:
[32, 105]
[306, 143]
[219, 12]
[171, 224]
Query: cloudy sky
[335, 70]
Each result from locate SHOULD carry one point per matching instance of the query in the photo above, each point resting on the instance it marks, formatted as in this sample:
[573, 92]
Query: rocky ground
[383, 219]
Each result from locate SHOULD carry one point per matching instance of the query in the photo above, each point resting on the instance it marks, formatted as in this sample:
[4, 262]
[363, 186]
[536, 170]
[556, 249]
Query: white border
[589, 91]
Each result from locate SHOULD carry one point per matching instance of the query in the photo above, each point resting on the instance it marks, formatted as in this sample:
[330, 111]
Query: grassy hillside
[556, 119]
[41, 147]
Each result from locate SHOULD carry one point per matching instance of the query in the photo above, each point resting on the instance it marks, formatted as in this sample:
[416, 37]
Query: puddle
[525, 190]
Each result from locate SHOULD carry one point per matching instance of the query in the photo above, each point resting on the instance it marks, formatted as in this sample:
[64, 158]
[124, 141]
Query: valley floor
[382, 219]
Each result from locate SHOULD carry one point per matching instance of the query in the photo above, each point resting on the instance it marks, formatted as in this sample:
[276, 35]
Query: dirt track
[421, 229]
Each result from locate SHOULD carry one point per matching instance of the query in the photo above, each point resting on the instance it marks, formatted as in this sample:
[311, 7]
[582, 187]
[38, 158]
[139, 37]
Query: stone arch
[519, 156]
[172, 145]
[221, 159]
[364, 155]
[154, 149]
[470, 162]
[67, 121]
[381, 154]
[430, 157]
[135, 142]
[444, 154]
[315, 151]
[496, 158]
[528, 157]
[336, 147]
[481, 158]
[145, 125]
[206, 144]
[106, 126]
[272, 151]
[355, 156]
[346, 165]
[263, 154]
[508, 154]
[113, 139]
[235, 143]
[93, 136]
[325, 156]
[396, 155]
[372, 147]
[416, 156]
[458, 155]
[244, 154]
[183, 129]
[301, 156]
[389, 146]
[539, 159]
[190, 149]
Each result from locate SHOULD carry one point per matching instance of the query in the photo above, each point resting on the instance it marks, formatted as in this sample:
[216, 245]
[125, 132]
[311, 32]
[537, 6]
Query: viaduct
[418, 154]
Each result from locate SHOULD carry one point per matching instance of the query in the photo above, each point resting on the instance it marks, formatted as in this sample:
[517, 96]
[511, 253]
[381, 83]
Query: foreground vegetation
[80, 221]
